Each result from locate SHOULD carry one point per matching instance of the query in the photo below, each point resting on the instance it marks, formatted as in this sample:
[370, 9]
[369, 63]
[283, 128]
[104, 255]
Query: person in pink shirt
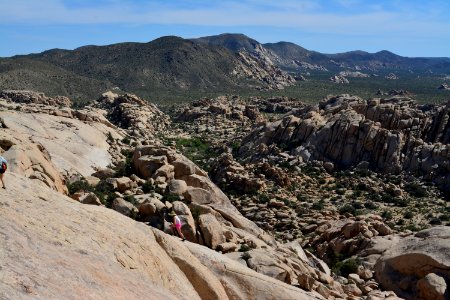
[176, 224]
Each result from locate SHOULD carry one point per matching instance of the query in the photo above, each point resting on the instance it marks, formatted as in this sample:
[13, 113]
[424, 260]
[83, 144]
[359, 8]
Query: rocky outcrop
[52, 134]
[35, 98]
[139, 117]
[91, 252]
[392, 135]
[444, 87]
[417, 265]
[354, 74]
[391, 76]
[258, 65]
[339, 79]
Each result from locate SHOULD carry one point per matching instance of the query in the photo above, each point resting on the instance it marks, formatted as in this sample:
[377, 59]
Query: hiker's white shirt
[3, 160]
[177, 220]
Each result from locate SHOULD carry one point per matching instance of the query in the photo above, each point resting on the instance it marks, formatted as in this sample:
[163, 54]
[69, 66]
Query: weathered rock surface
[257, 64]
[34, 97]
[88, 146]
[407, 266]
[120, 259]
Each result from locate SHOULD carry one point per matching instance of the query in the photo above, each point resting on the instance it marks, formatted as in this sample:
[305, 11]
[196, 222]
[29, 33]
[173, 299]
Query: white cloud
[307, 16]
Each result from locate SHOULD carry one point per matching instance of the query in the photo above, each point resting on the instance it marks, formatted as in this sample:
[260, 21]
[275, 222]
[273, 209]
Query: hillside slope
[165, 65]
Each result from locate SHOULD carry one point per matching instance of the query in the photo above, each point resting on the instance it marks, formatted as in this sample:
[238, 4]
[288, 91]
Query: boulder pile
[391, 135]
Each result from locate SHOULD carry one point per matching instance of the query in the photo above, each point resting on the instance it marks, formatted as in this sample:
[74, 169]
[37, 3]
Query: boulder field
[55, 247]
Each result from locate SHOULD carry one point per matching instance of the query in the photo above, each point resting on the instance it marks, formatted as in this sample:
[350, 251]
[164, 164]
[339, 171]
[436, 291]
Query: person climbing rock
[3, 167]
[176, 225]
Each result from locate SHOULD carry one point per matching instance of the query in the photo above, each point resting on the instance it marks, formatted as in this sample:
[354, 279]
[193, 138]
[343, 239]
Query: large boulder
[124, 207]
[403, 266]
[211, 230]
[262, 262]
[146, 165]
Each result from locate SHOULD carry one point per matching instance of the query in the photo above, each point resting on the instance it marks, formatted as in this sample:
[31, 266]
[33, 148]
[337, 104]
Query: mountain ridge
[173, 65]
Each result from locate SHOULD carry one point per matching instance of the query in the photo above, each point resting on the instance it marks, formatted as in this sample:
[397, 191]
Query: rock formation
[257, 65]
[444, 87]
[354, 74]
[338, 79]
[34, 97]
[392, 135]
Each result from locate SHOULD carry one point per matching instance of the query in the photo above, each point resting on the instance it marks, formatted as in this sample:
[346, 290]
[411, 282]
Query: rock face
[34, 97]
[120, 259]
[417, 265]
[258, 65]
[88, 146]
[392, 135]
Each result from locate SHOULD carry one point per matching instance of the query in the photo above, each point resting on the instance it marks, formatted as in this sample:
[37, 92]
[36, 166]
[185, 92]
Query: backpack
[4, 166]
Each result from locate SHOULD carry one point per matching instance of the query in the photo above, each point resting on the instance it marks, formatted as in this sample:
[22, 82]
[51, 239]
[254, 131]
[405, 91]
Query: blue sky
[405, 27]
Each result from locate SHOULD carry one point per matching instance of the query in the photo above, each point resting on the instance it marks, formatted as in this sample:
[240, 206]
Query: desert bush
[416, 190]
[79, 185]
[127, 168]
[169, 197]
[408, 214]
[126, 140]
[130, 198]
[386, 214]
[244, 248]
[318, 205]
[263, 198]
[370, 205]
[435, 221]
[148, 187]
[347, 208]
[346, 267]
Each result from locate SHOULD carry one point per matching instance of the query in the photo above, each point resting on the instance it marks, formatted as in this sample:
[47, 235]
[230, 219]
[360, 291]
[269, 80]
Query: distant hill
[167, 64]
[179, 67]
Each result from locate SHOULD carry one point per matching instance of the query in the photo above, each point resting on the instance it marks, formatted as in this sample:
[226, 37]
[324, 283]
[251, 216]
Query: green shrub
[370, 205]
[148, 187]
[130, 198]
[244, 248]
[386, 214]
[126, 140]
[127, 168]
[347, 208]
[169, 197]
[109, 137]
[346, 267]
[263, 198]
[408, 214]
[435, 221]
[415, 189]
[318, 205]
[79, 185]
